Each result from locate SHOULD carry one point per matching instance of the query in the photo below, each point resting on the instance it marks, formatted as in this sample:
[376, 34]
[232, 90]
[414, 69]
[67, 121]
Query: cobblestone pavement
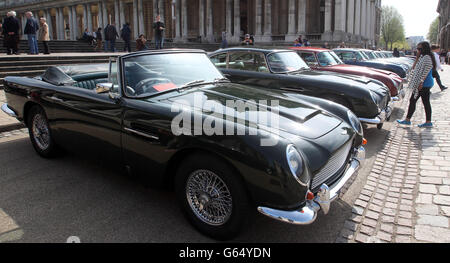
[407, 194]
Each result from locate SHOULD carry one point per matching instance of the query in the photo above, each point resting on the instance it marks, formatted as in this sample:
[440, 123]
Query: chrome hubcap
[40, 132]
[209, 197]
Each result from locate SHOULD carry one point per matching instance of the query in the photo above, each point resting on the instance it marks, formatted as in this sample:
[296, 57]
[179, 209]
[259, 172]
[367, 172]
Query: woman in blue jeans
[421, 82]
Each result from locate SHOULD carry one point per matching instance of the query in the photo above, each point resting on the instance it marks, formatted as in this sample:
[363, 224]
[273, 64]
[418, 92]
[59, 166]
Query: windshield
[283, 62]
[370, 55]
[328, 59]
[363, 55]
[149, 74]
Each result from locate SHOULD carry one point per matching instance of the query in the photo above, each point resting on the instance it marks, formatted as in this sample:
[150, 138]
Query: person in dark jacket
[99, 38]
[31, 28]
[111, 35]
[159, 32]
[126, 36]
[107, 42]
[396, 53]
[11, 29]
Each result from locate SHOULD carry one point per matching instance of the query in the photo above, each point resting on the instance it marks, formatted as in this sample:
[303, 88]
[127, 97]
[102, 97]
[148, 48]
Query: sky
[417, 14]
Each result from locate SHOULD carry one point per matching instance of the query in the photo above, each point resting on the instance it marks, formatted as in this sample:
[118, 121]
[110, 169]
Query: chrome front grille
[336, 162]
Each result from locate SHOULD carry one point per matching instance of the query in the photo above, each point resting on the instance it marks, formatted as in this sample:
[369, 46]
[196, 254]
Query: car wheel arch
[26, 109]
[176, 160]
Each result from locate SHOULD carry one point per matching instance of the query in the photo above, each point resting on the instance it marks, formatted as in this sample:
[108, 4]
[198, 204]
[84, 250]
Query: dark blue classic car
[358, 57]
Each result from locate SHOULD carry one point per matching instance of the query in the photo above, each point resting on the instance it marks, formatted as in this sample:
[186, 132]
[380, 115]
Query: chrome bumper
[381, 118]
[308, 214]
[8, 111]
[401, 95]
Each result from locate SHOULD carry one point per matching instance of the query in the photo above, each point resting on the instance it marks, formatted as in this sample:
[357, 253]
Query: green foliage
[433, 32]
[392, 29]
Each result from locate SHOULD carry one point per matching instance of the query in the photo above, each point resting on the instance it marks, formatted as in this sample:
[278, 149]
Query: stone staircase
[64, 46]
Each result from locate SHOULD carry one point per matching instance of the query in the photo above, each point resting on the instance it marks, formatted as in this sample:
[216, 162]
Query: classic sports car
[406, 63]
[357, 57]
[326, 60]
[284, 70]
[150, 111]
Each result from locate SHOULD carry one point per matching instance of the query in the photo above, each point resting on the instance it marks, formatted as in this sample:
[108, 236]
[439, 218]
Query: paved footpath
[407, 194]
[7, 123]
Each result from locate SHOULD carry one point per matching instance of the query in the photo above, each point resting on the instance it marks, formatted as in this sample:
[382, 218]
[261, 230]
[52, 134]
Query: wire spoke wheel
[209, 197]
[41, 132]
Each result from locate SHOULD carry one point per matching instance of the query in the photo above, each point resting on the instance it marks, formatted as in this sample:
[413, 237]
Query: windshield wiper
[221, 79]
[191, 84]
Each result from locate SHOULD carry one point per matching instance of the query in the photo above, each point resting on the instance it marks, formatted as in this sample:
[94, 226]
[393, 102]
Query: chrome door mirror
[103, 88]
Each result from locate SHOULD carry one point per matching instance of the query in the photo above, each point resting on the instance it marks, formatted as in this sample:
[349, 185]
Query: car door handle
[297, 89]
[54, 98]
[146, 135]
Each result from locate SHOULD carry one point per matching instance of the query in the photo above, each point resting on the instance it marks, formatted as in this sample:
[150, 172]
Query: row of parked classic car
[137, 113]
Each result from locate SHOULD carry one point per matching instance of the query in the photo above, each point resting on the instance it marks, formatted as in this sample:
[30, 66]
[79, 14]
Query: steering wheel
[145, 84]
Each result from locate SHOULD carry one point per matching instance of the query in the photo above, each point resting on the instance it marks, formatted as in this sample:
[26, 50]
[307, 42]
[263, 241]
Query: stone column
[75, 22]
[177, 21]
[70, 24]
[84, 18]
[229, 19]
[327, 34]
[105, 14]
[358, 18]
[99, 16]
[373, 30]
[301, 27]
[201, 19]
[135, 19]
[209, 22]
[367, 16]
[161, 10]
[351, 17]
[141, 17]
[184, 18]
[363, 18]
[292, 33]
[258, 20]
[122, 14]
[89, 17]
[267, 37]
[48, 16]
[117, 14]
[340, 15]
[59, 24]
[237, 21]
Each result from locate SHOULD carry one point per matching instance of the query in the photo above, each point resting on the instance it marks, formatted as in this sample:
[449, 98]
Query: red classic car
[326, 60]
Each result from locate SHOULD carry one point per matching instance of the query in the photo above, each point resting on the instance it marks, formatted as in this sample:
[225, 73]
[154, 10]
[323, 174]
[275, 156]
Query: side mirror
[103, 88]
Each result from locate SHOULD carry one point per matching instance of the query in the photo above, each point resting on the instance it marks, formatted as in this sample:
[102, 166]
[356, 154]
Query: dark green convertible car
[172, 118]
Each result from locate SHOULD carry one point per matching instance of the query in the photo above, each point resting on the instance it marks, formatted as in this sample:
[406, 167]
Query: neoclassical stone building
[270, 21]
[444, 24]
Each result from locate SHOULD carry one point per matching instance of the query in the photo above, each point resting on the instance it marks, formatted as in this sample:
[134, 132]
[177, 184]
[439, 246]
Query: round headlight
[295, 163]
[355, 122]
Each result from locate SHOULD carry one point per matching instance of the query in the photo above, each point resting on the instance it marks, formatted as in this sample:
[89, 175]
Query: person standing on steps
[11, 29]
[44, 35]
[159, 32]
[421, 83]
[126, 36]
[31, 28]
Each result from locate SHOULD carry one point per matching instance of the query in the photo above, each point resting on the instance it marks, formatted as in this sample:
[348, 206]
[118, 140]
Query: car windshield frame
[305, 67]
[177, 86]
